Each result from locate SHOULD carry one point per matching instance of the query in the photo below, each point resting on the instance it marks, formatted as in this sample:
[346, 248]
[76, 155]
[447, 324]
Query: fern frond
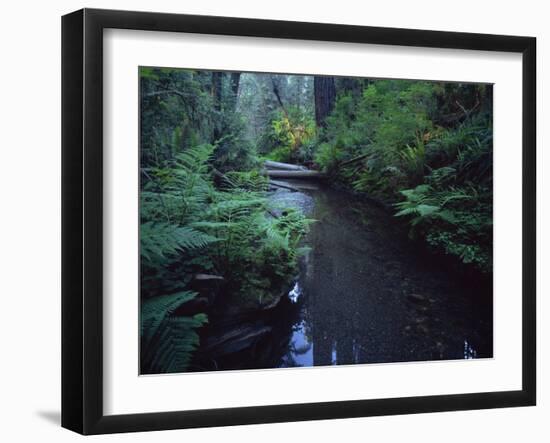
[164, 239]
[194, 159]
[275, 238]
[155, 309]
[168, 342]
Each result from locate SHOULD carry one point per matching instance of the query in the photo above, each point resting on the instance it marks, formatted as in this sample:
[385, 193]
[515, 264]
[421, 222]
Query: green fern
[454, 220]
[195, 159]
[153, 310]
[159, 240]
[168, 341]
[414, 157]
[247, 181]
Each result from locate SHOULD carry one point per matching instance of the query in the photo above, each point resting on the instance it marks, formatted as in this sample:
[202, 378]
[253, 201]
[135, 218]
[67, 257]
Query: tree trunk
[325, 96]
[217, 96]
[277, 94]
[234, 80]
[217, 89]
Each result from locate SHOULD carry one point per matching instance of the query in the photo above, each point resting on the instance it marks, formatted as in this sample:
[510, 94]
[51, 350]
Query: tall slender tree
[217, 78]
[217, 89]
[234, 80]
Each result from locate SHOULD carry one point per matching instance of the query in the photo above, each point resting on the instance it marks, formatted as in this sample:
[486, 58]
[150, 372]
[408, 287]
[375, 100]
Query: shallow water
[367, 294]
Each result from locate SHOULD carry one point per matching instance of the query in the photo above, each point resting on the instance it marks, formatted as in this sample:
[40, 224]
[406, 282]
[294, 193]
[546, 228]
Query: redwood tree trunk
[325, 96]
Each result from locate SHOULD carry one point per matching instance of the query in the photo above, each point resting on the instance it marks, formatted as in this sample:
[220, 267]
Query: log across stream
[365, 294]
[289, 171]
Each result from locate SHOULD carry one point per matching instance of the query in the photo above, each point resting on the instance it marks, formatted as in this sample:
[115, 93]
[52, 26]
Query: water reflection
[300, 349]
[469, 351]
[366, 296]
[295, 292]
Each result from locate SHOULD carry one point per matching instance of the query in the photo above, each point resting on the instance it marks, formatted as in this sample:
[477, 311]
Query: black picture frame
[82, 218]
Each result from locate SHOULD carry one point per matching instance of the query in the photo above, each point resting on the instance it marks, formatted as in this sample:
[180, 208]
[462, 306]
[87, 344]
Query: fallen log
[294, 174]
[285, 185]
[285, 166]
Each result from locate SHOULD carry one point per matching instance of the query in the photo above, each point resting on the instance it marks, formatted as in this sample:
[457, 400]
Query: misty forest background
[421, 149]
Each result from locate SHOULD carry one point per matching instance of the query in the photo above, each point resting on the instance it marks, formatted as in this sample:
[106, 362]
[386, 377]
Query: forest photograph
[307, 220]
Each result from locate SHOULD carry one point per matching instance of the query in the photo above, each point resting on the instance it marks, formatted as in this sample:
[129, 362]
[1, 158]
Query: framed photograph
[269, 221]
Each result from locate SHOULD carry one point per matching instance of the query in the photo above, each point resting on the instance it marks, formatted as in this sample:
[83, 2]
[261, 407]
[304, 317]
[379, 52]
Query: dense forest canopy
[423, 149]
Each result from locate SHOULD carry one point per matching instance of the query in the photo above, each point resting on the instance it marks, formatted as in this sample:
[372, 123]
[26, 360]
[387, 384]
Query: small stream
[366, 294]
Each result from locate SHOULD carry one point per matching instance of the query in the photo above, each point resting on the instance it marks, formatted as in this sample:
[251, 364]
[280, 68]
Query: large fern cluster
[256, 250]
[172, 197]
[453, 208]
[190, 225]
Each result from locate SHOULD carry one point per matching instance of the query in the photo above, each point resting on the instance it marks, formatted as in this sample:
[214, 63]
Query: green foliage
[289, 136]
[171, 193]
[234, 150]
[255, 248]
[386, 126]
[179, 111]
[189, 225]
[329, 155]
[162, 239]
[167, 340]
[179, 188]
[455, 220]
[274, 258]
[259, 105]
[426, 146]
[246, 181]
[414, 159]
[453, 209]
[196, 219]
